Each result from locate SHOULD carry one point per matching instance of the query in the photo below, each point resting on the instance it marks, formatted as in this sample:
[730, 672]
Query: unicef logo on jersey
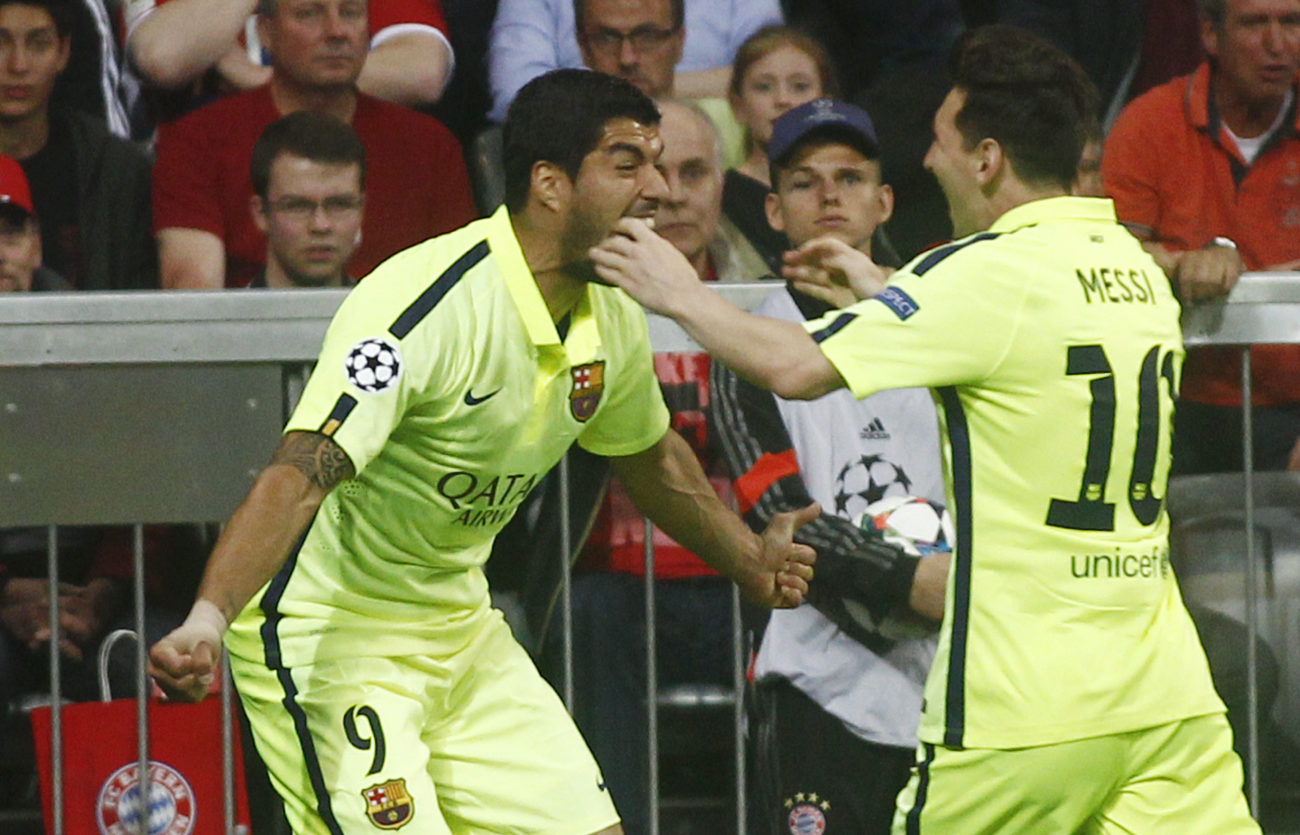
[169, 809]
[373, 365]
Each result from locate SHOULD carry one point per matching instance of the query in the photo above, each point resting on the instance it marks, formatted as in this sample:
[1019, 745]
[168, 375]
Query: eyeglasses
[302, 209]
[642, 39]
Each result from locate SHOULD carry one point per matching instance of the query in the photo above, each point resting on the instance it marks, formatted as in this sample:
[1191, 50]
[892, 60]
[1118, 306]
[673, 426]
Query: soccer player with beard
[382, 687]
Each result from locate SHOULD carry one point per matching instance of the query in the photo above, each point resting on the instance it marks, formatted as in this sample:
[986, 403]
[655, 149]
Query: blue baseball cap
[818, 117]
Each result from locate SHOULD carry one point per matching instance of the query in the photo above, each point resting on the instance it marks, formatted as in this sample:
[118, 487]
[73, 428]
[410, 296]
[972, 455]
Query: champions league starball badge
[373, 364]
[169, 807]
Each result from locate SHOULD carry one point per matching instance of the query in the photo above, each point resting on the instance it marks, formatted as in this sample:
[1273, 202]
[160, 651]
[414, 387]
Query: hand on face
[649, 268]
[833, 271]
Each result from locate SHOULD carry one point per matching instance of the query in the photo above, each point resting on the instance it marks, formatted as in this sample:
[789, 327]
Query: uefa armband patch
[898, 301]
[373, 364]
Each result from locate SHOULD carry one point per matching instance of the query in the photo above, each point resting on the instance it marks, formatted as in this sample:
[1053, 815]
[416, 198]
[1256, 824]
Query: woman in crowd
[775, 69]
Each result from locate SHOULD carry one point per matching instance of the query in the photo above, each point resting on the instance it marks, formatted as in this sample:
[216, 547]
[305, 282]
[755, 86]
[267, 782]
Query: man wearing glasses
[667, 48]
[309, 177]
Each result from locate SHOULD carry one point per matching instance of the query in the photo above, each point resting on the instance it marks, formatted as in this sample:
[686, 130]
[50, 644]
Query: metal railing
[133, 408]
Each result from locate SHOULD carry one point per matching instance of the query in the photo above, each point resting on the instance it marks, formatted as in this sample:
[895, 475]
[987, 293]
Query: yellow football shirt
[444, 379]
[1052, 346]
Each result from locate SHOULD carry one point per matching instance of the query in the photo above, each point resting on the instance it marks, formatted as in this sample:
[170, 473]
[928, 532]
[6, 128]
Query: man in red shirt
[174, 43]
[1206, 170]
[416, 187]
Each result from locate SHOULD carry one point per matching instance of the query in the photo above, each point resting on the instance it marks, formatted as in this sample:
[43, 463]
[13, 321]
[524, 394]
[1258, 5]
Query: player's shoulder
[435, 275]
[956, 256]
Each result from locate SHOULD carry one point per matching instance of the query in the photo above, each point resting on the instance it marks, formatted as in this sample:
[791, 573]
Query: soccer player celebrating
[1069, 692]
[382, 688]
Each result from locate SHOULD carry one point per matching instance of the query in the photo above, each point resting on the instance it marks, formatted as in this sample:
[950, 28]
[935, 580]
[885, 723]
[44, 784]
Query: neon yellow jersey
[446, 382]
[1052, 346]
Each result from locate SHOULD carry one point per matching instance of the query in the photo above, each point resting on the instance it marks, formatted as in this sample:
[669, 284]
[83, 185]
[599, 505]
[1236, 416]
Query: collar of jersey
[1055, 208]
[582, 338]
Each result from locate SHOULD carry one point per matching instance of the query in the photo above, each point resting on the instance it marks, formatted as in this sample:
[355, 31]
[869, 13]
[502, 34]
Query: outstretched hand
[829, 269]
[785, 566]
[185, 661]
[649, 268]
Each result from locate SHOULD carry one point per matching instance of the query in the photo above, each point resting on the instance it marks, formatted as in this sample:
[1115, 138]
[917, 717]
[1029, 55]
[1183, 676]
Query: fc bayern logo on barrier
[169, 809]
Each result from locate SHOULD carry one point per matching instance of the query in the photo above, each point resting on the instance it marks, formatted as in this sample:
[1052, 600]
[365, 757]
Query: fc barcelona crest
[588, 384]
[388, 804]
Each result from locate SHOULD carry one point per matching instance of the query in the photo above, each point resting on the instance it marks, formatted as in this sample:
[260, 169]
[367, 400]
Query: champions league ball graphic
[917, 526]
[912, 523]
[373, 365]
[865, 480]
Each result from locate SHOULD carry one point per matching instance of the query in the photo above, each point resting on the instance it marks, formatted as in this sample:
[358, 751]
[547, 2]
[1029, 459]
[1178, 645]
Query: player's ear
[549, 185]
[886, 203]
[772, 206]
[988, 160]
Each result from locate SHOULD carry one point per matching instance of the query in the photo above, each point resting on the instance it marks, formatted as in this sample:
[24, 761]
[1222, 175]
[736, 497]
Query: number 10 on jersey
[1090, 511]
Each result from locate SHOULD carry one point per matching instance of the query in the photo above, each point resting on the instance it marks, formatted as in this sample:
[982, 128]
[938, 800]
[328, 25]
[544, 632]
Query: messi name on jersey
[1103, 285]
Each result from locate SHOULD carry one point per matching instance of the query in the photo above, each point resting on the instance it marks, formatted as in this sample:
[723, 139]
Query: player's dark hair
[1027, 95]
[678, 8]
[62, 12]
[318, 137]
[559, 118]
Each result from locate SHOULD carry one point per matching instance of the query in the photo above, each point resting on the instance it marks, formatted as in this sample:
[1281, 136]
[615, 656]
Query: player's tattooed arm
[316, 456]
[281, 504]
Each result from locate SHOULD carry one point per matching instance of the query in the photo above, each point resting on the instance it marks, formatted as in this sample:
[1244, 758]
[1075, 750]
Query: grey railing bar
[1252, 584]
[144, 783]
[56, 680]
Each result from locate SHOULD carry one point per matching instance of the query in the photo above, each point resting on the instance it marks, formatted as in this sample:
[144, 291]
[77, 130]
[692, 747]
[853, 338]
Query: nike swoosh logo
[471, 400]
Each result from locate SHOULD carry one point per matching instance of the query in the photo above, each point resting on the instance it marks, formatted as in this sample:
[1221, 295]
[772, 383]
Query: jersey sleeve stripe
[930, 261]
[346, 403]
[770, 468]
[429, 299]
[834, 327]
[959, 440]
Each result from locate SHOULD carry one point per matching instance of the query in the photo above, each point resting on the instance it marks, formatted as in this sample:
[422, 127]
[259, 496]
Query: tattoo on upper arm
[315, 456]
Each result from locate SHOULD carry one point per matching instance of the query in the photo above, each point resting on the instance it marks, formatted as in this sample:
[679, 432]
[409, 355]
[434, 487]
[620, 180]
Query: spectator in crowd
[174, 43]
[417, 182]
[21, 270]
[836, 703]
[775, 69]
[309, 179]
[1203, 169]
[693, 602]
[90, 187]
[665, 47]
